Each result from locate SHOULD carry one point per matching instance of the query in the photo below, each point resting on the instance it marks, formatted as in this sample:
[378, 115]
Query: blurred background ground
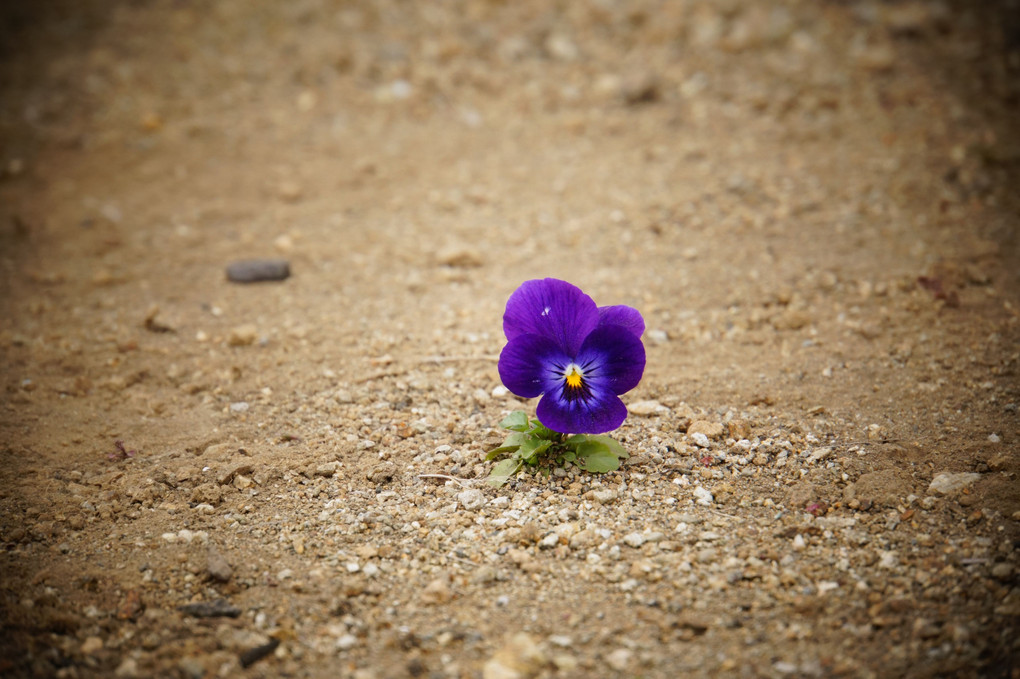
[813, 204]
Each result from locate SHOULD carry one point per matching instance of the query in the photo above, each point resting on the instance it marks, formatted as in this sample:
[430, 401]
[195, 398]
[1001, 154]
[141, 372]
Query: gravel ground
[812, 203]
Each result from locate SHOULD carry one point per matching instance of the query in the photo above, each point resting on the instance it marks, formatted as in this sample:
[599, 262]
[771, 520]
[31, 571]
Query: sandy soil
[812, 203]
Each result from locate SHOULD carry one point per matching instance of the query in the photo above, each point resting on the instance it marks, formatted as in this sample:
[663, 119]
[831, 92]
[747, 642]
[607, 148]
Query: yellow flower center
[574, 377]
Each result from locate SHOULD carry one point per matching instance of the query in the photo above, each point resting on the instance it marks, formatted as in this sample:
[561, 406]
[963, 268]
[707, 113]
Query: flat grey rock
[258, 270]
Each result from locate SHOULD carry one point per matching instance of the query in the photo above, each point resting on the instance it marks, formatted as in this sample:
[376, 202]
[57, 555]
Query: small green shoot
[531, 444]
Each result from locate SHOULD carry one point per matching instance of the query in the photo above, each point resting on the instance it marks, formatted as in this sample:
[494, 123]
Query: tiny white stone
[471, 498]
[549, 541]
[634, 539]
[658, 336]
[948, 482]
[647, 408]
[619, 659]
[819, 454]
[401, 89]
[827, 586]
[703, 496]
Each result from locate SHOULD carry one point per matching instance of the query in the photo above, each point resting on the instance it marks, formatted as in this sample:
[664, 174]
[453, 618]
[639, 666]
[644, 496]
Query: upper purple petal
[627, 316]
[527, 363]
[551, 308]
[612, 358]
[603, 411]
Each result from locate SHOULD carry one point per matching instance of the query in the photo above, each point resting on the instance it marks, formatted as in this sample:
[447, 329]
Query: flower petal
[599, 412]
[551, 308]
[627, 316]
[612, 358]
[527, 364]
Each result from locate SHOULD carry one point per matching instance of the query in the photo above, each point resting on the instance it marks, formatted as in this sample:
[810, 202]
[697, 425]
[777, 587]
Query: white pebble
[634, 539]
[949, 482]
[827, 586]
[703, 496]
[619, 659]
[647, 408]
[657, 336]
[471, 499]
[347, 642]
[549, 541]
[700, 440]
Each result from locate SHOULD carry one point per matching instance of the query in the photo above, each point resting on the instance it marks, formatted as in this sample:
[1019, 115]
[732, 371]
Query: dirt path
[812, 204]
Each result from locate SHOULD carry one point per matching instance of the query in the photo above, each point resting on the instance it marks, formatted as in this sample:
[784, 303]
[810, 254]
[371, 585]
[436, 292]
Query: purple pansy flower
[578, 356]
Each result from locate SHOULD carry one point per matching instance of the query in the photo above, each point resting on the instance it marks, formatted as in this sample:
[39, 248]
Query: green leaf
[615, 447]
[502, 472]
[589, 448]
[599, 462]
[543, 432]
[516, 421]
[596, 456]
[512, 443]
[609, 442]
[516, 439]
[531, 449]
[496, 452]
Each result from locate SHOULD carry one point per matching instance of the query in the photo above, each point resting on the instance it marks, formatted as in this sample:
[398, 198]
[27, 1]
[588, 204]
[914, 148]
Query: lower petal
[599, 412]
